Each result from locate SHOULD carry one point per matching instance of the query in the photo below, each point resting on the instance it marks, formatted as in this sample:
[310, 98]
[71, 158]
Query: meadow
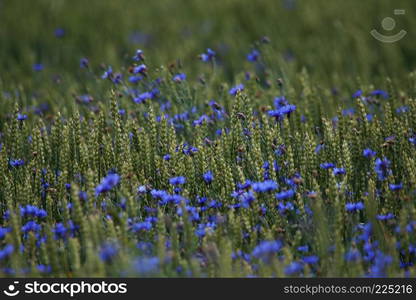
[206, 139]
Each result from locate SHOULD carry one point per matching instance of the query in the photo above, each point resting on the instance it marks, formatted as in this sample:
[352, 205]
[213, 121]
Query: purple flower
[234, 90]
[294, 268]
[379, 93]
[386, 217]
[354, 207]
[382, 168]
[146, 265]
[369, 153]
[108, 73]
[21, 117]
[208, 177]
[327, 165]
[357, 94]
[141, 226]
[283, 207]
[267, 249]
[107, 183]
[83, 63]
[285, 194]
[139, 55]
[179, 77]
[177, 180]
[6, 251]
[339, 171]
[253, 55]
[312, 259]
[353, 255]
[208, 56]
[143, 97]
[59, 231]
[281, 111]
[140, 69]
[16, 163]
[108, 252]
[396, 187]
[265, 186]
[37, 67]
[59, 32]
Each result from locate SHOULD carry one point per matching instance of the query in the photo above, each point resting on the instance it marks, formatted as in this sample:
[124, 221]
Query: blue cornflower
[208, 177]
[177, 180]
[381, 262]
[319, 147]
[234, 90]
[369, 153]
[280, 102]
[158, 194]
[253, 55]
[294, 268]
[117, 78]
[108, 73]
[135, 78]
[339, 171]
[139, 55]
[396, 187]
[21, 117]
[354, 207]
[108, 252]
[31, 226]
[311, 259]
[357, 94]
[267, 249]
[32, 211]
[59, 32]
[284, 207]
[143, 97]
[202, 229]
[353, 255]
[37, 67]
[327, 165]
[6, 251]
[282, 111]
[167, 157]
[16, 163]
[386, 217]
[84, 63]
[44, 269]
[304, 248]
[402, 109]
[59, 231]
[4, 231]
[208, 56]
[380, 93]
[107, 183]
[179, 77]
[85, 98]
[285, 194]
[348, 111]
[265, 186]
[140, 69]
[141, 226]
[413, 140]
[146, 265]
[382, 168]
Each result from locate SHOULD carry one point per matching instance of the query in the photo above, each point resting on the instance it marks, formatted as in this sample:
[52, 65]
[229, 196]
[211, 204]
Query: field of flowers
[222, 139]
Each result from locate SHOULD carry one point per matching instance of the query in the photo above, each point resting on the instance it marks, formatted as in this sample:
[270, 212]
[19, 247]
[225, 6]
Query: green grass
[317, 54]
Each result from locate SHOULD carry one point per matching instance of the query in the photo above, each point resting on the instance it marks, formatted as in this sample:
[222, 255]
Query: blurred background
[331, 39]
